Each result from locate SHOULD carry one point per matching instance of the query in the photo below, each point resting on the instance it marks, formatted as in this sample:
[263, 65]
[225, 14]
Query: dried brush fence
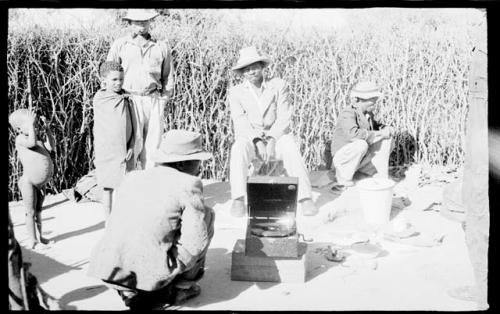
[424, 76]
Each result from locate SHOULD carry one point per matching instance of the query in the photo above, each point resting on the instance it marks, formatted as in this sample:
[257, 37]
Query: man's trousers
[243, 152]
[360, 156]
[148, 111]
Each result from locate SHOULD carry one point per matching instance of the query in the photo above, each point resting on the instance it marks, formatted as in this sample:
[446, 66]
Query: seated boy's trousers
[359, 156]
[243, 152]
[150, 124]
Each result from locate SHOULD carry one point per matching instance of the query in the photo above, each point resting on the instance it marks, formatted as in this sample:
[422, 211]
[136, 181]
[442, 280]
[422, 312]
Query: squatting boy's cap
[366, 90]
[140, 15]
[179, 145]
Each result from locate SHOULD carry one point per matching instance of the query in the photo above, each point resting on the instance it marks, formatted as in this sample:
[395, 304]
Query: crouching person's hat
[366, 90]
[180, 145]
[140, 15]
[249, 55]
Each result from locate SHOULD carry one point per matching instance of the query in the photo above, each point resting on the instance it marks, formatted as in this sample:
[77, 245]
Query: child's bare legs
[107, 200]
[28, 192]
[40, 196]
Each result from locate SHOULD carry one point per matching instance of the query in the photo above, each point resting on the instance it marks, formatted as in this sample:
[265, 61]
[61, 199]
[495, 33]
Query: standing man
[261, 113]
[359, 142]
[475, 177]
[148, 69]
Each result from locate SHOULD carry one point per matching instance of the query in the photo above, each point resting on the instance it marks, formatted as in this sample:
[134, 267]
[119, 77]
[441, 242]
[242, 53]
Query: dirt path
[405, 278]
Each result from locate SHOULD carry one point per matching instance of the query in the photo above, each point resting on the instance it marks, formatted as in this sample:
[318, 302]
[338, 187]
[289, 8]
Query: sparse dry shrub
[423, 74]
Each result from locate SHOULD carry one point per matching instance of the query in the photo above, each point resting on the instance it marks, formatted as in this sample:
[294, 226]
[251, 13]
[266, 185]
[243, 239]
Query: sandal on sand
[334, 255]
[341, 187]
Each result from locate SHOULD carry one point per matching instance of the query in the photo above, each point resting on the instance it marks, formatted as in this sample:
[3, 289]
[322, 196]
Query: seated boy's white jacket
[250, 120]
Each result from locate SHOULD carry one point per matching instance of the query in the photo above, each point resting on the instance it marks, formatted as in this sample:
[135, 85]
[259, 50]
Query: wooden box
[270, 269]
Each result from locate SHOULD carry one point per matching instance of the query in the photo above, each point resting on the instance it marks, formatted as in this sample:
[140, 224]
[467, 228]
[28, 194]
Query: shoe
[308, 207]
[342, 185]
[238, 208]
[181, 295]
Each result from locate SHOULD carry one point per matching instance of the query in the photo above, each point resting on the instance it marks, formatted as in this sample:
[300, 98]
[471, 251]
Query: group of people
[158, 228]
[261, 112]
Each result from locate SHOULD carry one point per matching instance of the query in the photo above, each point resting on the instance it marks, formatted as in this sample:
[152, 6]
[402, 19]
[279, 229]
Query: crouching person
[359, 142]
[157, 236]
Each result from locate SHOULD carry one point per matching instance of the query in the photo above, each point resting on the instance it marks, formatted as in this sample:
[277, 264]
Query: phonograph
[271, 226]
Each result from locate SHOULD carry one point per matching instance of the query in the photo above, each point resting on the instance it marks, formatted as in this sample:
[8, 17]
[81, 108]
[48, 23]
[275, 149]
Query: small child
[113, 132]
[37, 169]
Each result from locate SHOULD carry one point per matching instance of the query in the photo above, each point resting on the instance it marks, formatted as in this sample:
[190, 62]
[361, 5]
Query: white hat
[179, 145]
[140, 15]
[249, 55]
[366, 90]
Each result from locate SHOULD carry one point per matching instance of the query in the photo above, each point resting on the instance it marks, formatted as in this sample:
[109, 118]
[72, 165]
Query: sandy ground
[402, 277]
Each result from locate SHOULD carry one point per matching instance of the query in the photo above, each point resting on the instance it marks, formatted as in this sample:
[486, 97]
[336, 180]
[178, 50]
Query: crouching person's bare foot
[45, 241]
[38, 245]
[308, 208]
[32, 245]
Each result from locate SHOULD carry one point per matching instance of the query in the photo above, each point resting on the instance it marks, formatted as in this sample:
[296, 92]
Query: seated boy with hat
[157, 236]
[359, 142]
[261, 112]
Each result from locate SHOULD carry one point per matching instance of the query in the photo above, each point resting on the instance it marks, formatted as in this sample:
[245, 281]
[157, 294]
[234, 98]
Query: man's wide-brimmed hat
[179, 145]
[249, 55]
[140, 15]
[366, 90]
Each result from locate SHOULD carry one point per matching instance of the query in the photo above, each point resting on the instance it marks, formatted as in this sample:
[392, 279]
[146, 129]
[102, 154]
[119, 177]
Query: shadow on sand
[399, 204]
[44, 267]
[75, 233]
[317, 264]
[326, 195]
[218, 274]
[43, 219]
[55, 204]
[80, 294]
[216, 284]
